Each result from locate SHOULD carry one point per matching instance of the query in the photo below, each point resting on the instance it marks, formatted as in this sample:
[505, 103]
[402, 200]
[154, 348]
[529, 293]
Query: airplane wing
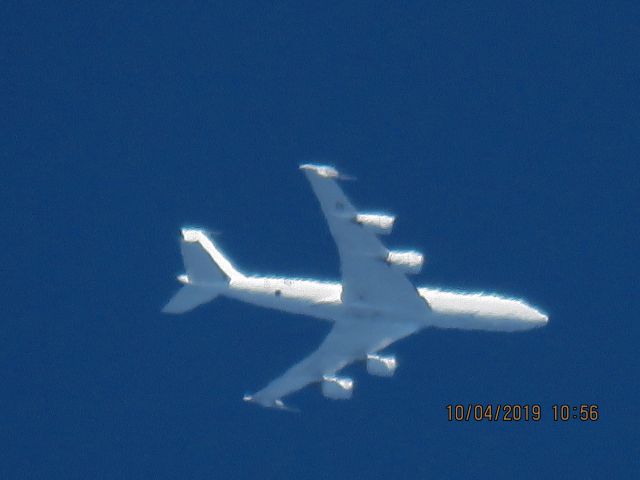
[366, 276]
[367, 281]
[348, 341]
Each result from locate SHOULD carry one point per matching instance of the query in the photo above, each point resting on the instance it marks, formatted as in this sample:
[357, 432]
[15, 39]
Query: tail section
[204, 263]
[208, 272]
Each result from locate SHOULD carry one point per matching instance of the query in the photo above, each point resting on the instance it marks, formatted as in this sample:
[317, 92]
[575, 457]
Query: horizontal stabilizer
[188, 298]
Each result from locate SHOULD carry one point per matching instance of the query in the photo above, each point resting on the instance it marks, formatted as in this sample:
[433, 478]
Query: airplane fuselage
[445, 309]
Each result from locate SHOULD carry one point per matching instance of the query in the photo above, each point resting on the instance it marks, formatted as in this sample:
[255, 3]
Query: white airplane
[374, 306]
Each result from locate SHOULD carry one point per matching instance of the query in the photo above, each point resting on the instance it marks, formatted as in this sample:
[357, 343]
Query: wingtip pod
[276, 404]
[325, 171]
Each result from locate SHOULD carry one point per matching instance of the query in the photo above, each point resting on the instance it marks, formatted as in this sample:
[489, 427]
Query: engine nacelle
[381, 366]
[381, 224]
[408, 261]
[337, 388]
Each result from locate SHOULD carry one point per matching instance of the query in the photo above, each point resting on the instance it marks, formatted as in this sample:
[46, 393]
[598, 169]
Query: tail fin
[208, 272]
[204, 263]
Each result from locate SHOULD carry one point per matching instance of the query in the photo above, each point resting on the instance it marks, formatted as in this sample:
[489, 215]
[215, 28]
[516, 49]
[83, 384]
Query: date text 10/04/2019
[477, 412]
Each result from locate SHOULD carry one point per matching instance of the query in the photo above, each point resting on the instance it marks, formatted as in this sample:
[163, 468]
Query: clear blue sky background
[503, 135]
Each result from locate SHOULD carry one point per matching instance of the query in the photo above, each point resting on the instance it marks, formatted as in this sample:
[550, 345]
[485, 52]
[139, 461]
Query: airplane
[372, 307]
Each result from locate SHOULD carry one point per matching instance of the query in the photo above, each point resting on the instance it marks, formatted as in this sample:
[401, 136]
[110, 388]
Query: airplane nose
[542, 319]
[535, 318]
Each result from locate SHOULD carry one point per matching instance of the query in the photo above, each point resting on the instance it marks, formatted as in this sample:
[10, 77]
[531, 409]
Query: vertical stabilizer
[203, 262]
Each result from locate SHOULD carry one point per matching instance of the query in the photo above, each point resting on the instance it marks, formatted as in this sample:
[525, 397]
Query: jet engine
[380, 224]
[381, 366]
[337, 388]
[408, 261]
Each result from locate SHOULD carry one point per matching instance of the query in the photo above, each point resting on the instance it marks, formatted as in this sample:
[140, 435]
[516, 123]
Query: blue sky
[504, 137]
